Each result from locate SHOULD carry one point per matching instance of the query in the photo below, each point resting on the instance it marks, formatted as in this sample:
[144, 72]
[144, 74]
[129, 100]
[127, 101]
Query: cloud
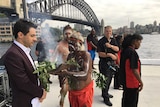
[30, 1]
[119, 13]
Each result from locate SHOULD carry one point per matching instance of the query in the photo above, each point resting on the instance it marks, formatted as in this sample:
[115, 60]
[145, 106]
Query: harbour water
[149, 51]
[150, 47]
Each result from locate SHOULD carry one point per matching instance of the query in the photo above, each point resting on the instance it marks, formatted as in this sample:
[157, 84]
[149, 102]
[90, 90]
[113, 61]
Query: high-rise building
[155, 23]
[78, 27]
[131, 25]
[102, 28]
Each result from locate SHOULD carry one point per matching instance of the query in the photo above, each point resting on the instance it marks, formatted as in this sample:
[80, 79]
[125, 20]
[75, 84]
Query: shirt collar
[25, 49]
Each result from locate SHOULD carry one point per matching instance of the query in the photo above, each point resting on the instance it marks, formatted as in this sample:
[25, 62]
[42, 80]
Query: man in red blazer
[20, 66]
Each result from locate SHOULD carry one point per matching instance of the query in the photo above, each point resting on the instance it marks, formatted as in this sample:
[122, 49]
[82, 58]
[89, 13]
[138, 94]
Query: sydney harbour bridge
[73, 11]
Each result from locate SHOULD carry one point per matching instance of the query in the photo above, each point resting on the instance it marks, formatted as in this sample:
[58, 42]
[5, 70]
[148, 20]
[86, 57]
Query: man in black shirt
[40, 50]
[107, 49]
[92, 41]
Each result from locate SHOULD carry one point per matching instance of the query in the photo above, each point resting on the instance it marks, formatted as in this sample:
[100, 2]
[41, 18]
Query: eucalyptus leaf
[43, 73]
[72, 61]
[100, 79]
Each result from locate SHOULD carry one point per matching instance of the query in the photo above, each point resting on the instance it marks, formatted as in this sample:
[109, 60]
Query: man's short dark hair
[23, 26]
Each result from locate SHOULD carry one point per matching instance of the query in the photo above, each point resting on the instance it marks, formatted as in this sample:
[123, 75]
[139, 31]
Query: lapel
[23, 54]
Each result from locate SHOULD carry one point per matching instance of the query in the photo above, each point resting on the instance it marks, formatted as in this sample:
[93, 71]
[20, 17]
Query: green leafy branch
[100, 80]
[43, 70]
[72, 61]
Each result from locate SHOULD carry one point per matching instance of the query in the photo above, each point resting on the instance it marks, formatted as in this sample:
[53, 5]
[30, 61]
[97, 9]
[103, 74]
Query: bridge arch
[49, 6]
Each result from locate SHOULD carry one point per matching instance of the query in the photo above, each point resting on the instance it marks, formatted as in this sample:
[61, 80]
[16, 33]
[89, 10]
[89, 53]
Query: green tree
[2, 15]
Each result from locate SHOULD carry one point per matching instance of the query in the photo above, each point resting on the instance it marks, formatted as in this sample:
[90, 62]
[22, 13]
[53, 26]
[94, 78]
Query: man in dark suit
[26, 89]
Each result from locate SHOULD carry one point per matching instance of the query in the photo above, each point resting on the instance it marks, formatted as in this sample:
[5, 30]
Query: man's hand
[114, 57]
[140, 86]
[63, 72]
[63, 66]
[43, 96]
[60, 70]
[108, 45]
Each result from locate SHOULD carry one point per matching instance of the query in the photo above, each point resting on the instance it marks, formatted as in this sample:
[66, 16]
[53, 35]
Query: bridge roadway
[149, 96]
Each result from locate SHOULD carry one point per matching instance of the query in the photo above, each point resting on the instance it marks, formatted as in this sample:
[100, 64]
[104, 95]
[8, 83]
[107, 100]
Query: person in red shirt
[130, 70]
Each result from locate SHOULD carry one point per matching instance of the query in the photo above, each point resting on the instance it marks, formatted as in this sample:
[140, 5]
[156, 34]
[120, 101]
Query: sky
[119, 13]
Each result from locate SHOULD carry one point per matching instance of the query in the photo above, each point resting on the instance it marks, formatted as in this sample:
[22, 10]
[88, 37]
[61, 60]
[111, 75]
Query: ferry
[154, 33]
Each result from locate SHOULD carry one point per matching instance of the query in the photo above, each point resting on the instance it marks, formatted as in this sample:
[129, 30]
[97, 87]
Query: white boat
[154, 33]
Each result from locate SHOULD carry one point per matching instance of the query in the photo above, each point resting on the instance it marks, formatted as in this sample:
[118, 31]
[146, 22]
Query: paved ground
[149, 96]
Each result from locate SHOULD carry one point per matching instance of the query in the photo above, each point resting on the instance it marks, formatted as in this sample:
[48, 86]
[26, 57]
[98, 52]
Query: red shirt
[129, 60]
[131, 81]
[89, 46]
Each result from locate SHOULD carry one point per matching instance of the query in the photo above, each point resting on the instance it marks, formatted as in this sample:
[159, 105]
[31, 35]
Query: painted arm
[81, 75]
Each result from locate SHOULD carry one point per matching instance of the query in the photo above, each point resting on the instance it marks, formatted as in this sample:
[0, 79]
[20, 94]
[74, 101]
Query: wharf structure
[10, 11]
[6, 34]
[6, 31]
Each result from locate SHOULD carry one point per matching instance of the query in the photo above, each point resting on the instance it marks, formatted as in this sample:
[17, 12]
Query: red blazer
[23, 82]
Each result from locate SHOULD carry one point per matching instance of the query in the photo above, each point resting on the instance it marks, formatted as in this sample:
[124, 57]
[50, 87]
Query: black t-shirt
[40, 47]
[102, 48]
[93, 39]
[128, 57]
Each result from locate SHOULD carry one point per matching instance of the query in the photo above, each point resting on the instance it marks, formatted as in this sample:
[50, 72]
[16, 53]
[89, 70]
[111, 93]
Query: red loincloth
[82, 98]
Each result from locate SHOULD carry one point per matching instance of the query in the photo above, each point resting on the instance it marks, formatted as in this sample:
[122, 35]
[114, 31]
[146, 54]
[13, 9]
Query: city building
[78, 27]
[141, 29]
[102, 29]
[132, 25]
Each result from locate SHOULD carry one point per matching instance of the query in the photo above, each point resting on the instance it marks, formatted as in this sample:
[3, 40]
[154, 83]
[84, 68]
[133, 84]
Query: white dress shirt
[27, 52]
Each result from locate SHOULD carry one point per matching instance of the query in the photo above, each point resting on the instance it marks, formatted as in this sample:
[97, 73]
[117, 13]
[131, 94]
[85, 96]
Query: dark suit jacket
[23, 82]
